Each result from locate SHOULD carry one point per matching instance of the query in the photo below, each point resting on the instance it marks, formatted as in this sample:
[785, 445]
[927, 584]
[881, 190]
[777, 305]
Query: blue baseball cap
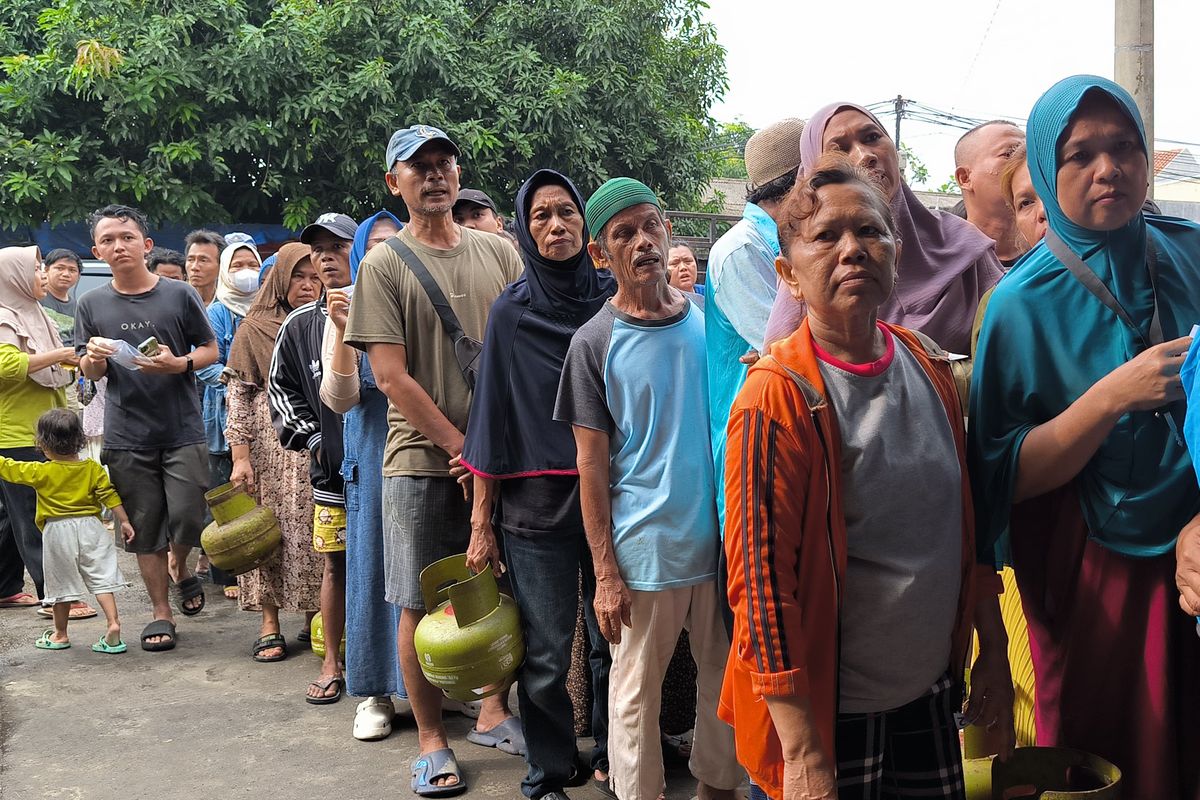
[407, 141]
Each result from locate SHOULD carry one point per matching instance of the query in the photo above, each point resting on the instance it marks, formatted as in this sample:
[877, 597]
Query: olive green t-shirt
[390, 306]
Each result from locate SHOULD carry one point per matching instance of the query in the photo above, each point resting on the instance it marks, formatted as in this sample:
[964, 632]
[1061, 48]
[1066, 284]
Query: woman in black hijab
[526, 482]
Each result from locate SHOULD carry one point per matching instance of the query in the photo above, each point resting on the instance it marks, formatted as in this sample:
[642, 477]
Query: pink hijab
[23, 322]
[946, 263]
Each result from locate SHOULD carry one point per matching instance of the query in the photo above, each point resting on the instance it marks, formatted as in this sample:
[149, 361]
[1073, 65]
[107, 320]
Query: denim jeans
[20, 539]
[544, 571]
[372, 665]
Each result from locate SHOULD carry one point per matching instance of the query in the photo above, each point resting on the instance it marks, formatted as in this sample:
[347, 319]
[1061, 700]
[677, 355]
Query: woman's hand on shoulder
[1149, 380]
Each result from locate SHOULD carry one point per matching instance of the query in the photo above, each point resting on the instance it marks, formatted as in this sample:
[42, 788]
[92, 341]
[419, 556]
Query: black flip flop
[323, 684]
[190, 588]
[304, 636]
[269, 642]
[159, 627]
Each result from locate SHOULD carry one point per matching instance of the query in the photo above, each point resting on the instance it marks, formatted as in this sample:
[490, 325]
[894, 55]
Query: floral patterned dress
[291, 578]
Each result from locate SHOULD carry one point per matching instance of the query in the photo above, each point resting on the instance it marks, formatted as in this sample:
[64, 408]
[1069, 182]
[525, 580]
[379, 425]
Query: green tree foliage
[274, 110]
[729, 142]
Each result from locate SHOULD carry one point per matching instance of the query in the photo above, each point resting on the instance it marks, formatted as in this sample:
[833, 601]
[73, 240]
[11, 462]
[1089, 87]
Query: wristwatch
[190, 367]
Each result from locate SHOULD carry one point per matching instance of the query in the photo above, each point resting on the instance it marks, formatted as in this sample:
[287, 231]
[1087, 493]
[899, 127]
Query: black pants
[20, 539]
[544, 572]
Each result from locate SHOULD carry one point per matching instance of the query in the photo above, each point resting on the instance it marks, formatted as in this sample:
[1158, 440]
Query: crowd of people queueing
[881, 444]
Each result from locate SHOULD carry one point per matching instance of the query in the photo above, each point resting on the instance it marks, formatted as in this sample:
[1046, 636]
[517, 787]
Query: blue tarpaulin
[74, 235]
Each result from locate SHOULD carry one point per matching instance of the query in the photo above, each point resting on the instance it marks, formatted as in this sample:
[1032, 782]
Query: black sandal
[323, 684]
[157, 629]
[189, 589]
[270, 642]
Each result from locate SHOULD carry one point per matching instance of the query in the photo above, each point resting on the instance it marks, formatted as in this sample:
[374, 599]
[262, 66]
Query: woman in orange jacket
[849, 530]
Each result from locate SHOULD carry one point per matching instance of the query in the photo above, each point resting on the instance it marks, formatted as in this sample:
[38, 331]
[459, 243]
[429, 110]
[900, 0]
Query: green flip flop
[44, 642]
[103, 646]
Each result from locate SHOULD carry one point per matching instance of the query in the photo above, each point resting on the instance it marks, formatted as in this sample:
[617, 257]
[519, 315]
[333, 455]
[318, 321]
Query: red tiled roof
[1164, 157]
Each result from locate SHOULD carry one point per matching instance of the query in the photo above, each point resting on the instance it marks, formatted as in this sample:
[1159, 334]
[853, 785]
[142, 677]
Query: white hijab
[227, 293]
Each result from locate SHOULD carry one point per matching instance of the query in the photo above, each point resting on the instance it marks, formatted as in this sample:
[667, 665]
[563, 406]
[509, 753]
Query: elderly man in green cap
[634, 390]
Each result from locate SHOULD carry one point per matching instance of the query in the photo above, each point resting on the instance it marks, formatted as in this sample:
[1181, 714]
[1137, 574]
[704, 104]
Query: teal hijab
[1046, 340]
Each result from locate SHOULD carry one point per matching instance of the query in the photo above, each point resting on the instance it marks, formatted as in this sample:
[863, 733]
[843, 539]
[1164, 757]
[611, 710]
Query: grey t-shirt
[63, 314]
[902, 488]
[144, 411]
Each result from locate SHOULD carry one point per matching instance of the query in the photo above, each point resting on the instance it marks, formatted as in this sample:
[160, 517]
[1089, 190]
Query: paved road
[203, 720]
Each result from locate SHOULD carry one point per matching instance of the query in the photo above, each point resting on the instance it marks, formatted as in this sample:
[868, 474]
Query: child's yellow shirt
[64, 488]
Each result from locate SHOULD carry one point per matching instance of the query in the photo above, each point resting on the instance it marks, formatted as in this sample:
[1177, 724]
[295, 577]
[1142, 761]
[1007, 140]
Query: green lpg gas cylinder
[1054, 773]
[243, 534]
[316, 633]
[470, 642]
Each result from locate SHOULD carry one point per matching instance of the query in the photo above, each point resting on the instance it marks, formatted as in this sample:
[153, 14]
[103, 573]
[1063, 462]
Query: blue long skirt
[372, 667]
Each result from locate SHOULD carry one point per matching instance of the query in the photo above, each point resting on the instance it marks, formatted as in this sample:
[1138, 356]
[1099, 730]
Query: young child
[78, 554]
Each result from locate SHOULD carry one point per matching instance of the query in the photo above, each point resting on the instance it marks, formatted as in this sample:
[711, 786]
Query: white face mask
[245, 281]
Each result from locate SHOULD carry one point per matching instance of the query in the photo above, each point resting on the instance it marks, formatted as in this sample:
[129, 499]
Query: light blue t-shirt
[644, 383]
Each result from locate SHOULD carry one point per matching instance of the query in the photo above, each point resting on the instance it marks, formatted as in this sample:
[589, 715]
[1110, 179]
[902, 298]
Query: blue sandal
[431, 766]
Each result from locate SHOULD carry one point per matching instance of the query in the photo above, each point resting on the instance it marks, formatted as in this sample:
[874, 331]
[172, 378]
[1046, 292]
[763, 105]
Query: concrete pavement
[203, 720]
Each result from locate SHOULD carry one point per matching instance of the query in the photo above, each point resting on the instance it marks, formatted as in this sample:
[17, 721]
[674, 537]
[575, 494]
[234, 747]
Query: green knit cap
[616, 195]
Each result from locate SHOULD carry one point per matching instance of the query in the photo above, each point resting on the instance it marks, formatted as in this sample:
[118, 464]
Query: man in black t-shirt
[154, 442]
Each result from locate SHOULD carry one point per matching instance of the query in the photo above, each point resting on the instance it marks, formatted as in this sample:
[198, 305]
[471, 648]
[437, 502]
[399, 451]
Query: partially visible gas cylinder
[317, 633]
[470, 643]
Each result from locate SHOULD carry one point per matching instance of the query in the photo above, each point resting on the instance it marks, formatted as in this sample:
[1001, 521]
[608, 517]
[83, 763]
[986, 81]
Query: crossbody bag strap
[1091, 281]
[440, 304]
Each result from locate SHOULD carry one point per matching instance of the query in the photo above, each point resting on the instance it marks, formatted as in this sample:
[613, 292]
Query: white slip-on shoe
[373, 719]
[469, 709]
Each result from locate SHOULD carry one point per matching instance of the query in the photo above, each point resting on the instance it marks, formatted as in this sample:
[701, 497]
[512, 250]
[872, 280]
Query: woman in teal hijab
[1081, 478]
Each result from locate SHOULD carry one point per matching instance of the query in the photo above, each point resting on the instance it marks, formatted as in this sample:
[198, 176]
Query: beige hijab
[23, 322]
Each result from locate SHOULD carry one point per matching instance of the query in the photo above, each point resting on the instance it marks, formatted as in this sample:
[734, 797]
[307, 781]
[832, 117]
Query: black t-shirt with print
[145, 411]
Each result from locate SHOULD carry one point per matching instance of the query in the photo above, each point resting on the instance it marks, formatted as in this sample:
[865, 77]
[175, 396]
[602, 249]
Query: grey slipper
[431, 766]
[506, 737]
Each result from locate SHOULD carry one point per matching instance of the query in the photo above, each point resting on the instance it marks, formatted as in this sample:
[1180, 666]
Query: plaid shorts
[911, 751]
[424, 520]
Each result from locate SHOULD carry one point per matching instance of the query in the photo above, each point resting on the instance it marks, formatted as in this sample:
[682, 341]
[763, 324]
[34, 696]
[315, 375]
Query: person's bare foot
[113, 635]
[331, 688]
[231, 592]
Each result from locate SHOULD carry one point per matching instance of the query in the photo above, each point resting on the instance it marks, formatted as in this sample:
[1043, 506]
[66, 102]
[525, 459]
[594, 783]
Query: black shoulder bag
[466, 349]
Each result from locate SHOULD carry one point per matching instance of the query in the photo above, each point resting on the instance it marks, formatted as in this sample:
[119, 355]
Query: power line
[933, 116]
[982, 42]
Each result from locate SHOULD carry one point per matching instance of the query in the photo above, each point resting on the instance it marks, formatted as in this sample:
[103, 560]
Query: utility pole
[900, 113]
[1134, 62]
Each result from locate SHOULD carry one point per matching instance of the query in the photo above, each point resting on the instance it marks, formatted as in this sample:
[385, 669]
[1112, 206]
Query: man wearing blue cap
[633, 381]
[425, 370]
